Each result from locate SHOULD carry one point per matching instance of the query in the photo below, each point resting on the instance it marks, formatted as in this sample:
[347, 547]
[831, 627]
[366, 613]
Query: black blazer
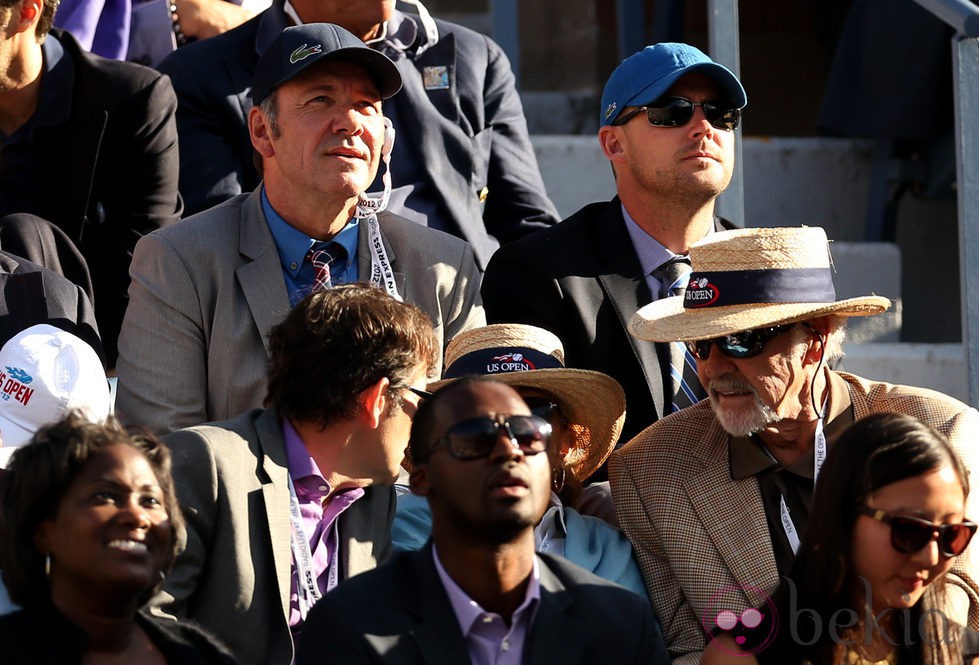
[108, 175]
[582, 281]
[469, 141]
[30, 294]
[399, 614]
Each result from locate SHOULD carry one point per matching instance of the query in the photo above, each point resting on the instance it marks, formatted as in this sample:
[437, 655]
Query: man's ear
[611, 143]
[374, 402]
[30, 11]
[819, 329]
[260, 132]
[418, 480]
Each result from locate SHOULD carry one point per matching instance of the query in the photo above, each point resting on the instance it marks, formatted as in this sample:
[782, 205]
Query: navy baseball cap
[300, 46]
[646, 76]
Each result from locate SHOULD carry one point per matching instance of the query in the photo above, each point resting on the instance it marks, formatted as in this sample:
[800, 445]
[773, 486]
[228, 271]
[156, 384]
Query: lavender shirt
[489, 640]
[318, 519]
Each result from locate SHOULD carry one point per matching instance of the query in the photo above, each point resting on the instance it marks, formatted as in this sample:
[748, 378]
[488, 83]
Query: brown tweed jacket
[696, 531]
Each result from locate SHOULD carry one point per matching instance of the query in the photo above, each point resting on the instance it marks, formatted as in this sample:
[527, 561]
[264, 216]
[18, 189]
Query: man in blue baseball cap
[667, 124]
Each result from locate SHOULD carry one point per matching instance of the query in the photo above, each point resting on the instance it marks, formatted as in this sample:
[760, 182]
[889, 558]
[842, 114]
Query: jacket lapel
[275, 492]
[625, 287]
[437, 631]
[260, 274]
[720, 503]
[554, 637]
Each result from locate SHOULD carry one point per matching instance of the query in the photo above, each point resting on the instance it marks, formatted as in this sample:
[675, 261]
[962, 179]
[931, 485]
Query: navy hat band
[501, 360]
[749, 287]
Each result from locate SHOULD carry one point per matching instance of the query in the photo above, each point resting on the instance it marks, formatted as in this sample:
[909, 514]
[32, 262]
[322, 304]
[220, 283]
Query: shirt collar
[57, 82]
[467, 610]
[553, 522]
[301, 465]
[292, 244]
[651, 252]
[749, 456]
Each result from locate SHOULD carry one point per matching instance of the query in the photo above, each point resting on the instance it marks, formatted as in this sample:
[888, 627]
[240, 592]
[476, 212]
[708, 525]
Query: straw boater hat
[751, 278]
[532, 357]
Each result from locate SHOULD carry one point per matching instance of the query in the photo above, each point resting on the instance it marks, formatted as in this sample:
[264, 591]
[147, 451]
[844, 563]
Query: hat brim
[666, 320]
[594, 404]
[725, 80]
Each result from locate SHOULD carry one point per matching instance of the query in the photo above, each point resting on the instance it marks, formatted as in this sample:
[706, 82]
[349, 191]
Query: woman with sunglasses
[584, 410]
[867, 586]
[88, 529]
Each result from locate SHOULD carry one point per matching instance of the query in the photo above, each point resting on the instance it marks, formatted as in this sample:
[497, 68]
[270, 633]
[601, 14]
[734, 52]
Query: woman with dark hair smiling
[88, 528]
[867, 586]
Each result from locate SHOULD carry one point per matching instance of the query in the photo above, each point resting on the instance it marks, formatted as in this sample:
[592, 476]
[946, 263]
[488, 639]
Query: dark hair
[336, 343]
[872, 453]
[423, 424]
[36, 480]
[47, 14]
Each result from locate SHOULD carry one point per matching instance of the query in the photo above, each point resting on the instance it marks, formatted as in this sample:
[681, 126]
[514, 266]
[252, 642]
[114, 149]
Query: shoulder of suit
[558, 244]
[929, 406]
[112, 79]
[396, 226]
[675, 433]
[199, 56]
[578, 580]
[235, 434]
[202, 228]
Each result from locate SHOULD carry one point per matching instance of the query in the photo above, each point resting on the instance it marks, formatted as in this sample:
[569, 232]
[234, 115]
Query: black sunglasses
[476, 437]
[910, 534]
[542, 407]
[744, 344]
[677, 112]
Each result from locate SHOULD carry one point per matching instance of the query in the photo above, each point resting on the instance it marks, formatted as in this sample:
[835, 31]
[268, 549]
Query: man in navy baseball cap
[300, 46]
[666, 125]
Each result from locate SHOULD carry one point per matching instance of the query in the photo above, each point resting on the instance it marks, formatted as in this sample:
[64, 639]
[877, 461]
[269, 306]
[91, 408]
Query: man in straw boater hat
[585, 410]
[715, 498]
[667, 125]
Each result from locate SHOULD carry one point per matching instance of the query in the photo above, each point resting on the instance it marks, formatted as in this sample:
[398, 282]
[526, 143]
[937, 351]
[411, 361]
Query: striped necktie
[674, 276]
[320, 255]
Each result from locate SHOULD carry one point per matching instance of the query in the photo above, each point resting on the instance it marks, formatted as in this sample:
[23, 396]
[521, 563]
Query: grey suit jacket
[206, 292]
[400, 614]
[696, 532]
[234, 575]
[466, 141]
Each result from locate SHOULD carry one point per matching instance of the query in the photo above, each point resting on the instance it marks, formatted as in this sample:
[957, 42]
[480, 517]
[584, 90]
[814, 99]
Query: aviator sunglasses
[744, 344]
[677, 112]
[475, 438]
[910, 534]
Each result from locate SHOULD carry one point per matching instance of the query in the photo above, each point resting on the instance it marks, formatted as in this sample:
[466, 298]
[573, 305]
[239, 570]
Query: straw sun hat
[751, 278]
[531, 357]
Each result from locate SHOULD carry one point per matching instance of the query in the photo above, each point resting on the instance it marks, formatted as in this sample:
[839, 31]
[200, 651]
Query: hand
[201, 19]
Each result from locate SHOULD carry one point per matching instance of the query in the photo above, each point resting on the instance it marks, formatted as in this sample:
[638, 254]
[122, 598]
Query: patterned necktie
[320, 256]
[674, 276]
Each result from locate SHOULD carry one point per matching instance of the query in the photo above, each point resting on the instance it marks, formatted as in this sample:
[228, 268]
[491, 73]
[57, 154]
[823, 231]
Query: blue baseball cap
[646, 76]
[300, 46]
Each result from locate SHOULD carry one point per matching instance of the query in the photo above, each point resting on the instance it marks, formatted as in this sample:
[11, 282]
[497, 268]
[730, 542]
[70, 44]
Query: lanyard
[818, 458]
[307, 588]
[367, 209]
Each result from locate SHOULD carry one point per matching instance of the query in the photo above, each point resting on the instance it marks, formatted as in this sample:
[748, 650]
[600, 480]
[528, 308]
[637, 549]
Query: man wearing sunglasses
[715, 498]
[284, 503]
[477, 592]
[667, 125]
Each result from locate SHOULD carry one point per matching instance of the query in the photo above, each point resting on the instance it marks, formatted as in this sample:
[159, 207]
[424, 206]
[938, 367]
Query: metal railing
[963, 16]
